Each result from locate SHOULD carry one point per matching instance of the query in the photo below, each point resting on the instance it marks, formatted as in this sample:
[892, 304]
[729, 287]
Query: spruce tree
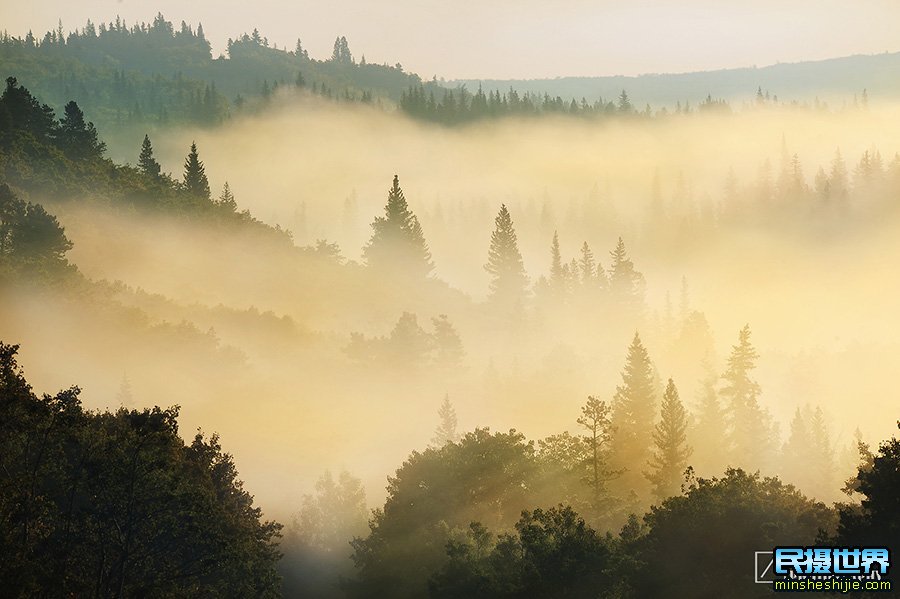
[147, 163]
[750, 429]
[76, 138]
[195, 181]
[587, 265]
[508, 279]
[397, 244]
[671, 451]
[633, 416]
[626, 285]
[226, 200]
[557, 276]
[446, 430]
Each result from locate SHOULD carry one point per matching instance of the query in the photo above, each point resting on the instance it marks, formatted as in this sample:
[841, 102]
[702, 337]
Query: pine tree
[195, 181]
[633, 416]
[557, 278]
[226, 200]
[587, 265]
[147, 163]
[397, 244]
[448, 345]
[750, 429]
[595, 419]
[446, 429]
[626, 285]
[504, 264]
[624, 106]
[76, 138]
[671, 451]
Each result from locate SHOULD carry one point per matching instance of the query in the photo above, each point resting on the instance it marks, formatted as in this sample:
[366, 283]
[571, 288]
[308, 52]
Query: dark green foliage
[146, 162]
[195, 181]
[553, 553]
[508, 279]
[484, 477]
[397, 245]
[115, 504]
[31, 240]
[697, 541]
[876, 521]
[76, 138]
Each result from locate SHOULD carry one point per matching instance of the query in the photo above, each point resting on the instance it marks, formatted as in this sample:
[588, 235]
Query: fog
[248, 334]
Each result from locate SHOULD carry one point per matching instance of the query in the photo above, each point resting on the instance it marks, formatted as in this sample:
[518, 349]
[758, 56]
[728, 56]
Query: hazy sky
[520, 38]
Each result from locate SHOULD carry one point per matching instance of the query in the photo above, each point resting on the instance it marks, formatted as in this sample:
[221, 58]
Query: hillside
[833, 80]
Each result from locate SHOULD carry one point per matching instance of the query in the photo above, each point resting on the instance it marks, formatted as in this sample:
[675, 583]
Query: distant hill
[832, 80]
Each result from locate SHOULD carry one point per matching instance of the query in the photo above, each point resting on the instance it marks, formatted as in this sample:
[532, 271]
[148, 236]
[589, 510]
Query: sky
[521, 39]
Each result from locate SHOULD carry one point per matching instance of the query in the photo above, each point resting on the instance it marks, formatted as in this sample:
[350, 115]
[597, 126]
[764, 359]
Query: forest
[303, 327]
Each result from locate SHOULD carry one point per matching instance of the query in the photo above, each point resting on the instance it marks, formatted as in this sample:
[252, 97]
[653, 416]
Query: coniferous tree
[750, 429]
[448, 346]
[77, 138]
[587, 265]
[557, 277]
[595, 419]
[626, 284]
[446, 429]
[226, 200]
[398, 244]
[147, 163]
[633, 416]
[671, 451]
[508, 279]
[195, 181]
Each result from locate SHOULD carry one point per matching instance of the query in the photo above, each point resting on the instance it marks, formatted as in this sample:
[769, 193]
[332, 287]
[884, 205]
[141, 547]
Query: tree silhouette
[147, 163]
[633, 415]
[397, 244]
[446, 429]
[195, 181]
[749, 427]
[508, 279]
[671, 451]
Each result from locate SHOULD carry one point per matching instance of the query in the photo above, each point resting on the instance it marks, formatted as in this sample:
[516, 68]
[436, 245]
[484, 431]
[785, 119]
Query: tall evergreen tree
[226, 200]
[587, 265]
[750, 428]
[147, 163]
[557, 276]
[508, 279]
[397, 244]
[671, 451]
[626, 284]
[77, 138]
[633, 416]
[446, 429]
[195, 181]
[595, 419]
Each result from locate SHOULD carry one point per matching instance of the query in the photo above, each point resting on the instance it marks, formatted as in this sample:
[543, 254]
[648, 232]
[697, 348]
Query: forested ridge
[645, 490]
